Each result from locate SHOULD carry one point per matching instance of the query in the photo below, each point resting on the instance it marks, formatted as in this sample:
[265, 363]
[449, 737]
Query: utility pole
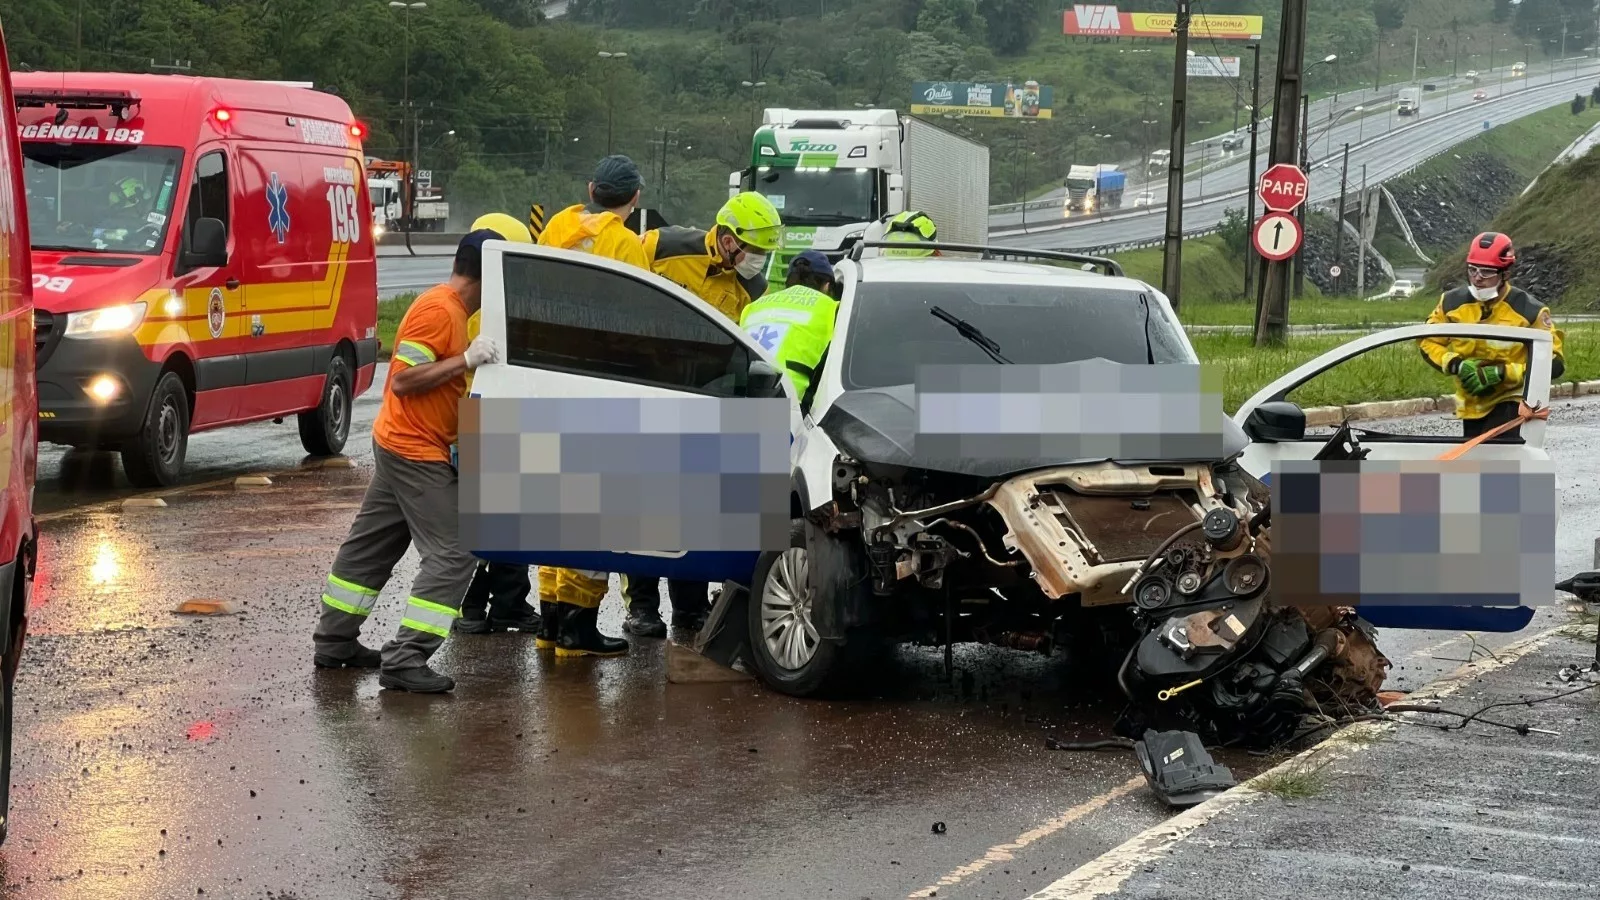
[1416, 46]
[1255, 126]
[1361, 231]
[1172, 272]
[1338, 231]
[1273, 325]
[408, 196]
[1305, 166]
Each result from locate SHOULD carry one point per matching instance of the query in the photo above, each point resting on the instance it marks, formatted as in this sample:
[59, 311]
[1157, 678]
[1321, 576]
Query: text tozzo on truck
[831, 173]
[1094, 188]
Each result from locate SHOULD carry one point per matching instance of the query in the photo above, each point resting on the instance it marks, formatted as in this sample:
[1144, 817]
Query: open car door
[577, 326]
[1275, 421]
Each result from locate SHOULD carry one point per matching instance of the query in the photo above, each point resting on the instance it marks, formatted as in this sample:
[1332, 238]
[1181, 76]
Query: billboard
[1105, 20]
[1213, 67]
[999, 100]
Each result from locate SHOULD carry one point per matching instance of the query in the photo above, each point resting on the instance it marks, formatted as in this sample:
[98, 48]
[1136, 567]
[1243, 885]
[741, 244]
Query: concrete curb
[1106, 874]
[1329, 416]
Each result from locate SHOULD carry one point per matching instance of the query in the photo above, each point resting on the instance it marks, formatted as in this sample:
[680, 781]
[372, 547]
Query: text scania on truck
[202, 257]
[831, 173]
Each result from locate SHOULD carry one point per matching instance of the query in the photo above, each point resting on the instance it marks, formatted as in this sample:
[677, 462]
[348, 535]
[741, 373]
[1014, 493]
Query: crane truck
[831, 173]
[1091, 188]
[389, 182]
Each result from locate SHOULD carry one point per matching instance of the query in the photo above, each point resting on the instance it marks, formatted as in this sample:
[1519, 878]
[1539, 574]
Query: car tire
[154, 457]
[786, 587]
[324, 430]
[8, 679]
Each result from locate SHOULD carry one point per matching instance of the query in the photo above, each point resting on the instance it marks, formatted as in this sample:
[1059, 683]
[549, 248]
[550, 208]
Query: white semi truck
[831, 173]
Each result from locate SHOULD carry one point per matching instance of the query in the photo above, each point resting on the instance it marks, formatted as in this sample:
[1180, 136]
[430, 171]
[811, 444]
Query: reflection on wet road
[159, 755]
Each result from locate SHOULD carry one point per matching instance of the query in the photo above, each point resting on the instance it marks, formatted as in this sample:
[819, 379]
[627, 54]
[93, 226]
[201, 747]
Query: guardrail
[420, 238]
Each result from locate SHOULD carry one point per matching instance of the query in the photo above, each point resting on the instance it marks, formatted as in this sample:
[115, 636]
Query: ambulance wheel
[154, 457]
[8, 680]
[323, 430]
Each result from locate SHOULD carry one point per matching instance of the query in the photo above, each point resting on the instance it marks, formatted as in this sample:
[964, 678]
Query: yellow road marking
[1006, 852]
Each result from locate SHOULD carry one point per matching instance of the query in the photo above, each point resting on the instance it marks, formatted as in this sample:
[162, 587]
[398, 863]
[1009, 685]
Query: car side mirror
[765, 380]
[1275, 423]
[208, 244]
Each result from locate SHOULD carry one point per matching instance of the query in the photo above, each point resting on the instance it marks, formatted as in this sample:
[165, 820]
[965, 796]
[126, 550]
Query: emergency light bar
[121, 103]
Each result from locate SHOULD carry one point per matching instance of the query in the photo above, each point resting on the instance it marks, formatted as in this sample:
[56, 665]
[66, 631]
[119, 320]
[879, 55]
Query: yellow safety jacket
[688, 257]
[1514, 307]
[596, 231]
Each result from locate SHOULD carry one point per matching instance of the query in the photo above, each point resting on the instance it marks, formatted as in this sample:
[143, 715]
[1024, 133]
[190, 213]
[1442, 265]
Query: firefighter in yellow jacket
[1489, 375]
[724, 267]
[570, 598]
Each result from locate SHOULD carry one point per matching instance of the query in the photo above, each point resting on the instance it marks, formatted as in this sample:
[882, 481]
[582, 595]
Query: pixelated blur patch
[1092, 409]
[624, 475]
[1413, 532]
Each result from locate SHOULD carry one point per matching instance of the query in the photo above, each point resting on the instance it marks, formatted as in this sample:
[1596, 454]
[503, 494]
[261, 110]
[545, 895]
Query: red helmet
[1492, 250]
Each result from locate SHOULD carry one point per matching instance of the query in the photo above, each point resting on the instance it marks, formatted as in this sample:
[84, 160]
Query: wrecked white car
[1158, 564]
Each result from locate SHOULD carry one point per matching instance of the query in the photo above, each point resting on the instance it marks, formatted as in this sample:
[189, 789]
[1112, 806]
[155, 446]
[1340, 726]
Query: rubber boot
[417, 680]
[642, 597]
[550, 615]
[645, 623]
[523, 618]
[361, 658]
[579, 634]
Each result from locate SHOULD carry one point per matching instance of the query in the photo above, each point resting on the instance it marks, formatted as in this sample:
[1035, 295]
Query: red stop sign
[1283, 188]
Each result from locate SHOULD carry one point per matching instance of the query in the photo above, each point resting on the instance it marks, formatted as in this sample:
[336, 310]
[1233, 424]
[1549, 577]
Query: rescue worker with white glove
[413, 494]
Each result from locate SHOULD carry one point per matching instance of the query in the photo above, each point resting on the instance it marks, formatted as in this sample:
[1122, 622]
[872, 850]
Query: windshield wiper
[971, 333]
[1149, 346]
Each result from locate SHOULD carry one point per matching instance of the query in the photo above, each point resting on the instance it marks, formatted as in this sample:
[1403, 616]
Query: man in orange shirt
[413, 493]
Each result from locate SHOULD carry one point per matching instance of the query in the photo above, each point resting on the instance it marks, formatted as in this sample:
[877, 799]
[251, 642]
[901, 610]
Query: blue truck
[1091, 188]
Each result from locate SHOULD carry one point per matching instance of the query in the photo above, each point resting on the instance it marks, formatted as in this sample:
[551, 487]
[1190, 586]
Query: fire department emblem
[216, 312]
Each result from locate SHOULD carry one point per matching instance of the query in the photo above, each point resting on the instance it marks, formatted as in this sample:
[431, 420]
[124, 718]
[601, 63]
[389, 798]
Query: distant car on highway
[1402, 289]
[1232, 142]
[1480, 95]
[1145, 198]
[1473, 74]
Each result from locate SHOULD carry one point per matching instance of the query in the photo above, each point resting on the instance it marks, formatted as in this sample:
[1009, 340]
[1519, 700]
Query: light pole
[753, 86]
[1255, 126]
[610, 94]
[406, 200]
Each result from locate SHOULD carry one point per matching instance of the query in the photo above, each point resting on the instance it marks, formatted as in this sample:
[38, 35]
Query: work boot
[473, 621]
[549, 624]
[579, 634]
[688, 621]
[359, 658]
[417, 680]
[644, 623]
[522, 618]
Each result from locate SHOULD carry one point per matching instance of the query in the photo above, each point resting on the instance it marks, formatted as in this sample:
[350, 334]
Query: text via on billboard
[1108, 21]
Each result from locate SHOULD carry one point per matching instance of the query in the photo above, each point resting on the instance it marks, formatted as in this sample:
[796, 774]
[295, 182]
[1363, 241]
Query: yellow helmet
[505, 225]
[752, 218]
[911, 227]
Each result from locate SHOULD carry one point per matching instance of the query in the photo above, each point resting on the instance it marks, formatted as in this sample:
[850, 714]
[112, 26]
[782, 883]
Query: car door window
[208, 197]
[1396, 371]
[570, 317]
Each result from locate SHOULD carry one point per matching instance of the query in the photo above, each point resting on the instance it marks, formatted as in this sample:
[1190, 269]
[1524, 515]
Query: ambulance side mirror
[208, 245]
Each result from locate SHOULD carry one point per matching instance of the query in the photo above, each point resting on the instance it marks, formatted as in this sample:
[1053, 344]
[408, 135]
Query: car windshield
[88, 197]
[893, 330]
[820, 197]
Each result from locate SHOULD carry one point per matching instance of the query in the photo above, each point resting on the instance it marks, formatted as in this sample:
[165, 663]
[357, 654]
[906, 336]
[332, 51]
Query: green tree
[1012, 24]
[1235, 232]
[1501, 12]
[1389, 15]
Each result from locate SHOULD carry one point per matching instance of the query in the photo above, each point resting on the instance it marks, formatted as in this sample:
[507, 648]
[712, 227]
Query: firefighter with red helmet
[1489, 374]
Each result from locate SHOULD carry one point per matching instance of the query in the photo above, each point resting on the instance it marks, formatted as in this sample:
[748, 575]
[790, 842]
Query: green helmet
[128, 191]
[914, 227]
[752, 218]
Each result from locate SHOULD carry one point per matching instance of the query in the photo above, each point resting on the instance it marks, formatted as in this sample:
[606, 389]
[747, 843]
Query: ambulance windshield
[99, 197]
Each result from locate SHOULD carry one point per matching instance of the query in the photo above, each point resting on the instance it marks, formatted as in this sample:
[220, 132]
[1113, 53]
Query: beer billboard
[998, 100]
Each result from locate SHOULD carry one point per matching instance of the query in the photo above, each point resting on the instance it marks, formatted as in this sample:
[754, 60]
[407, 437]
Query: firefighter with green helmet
[910, 227]
[724, 267]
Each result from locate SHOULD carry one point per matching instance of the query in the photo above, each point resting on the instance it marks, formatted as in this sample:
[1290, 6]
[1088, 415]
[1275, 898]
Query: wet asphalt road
[158, 755]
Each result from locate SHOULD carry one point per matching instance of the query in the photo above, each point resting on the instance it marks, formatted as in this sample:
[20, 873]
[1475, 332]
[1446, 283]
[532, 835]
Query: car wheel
[786, 649]
[154, 457]
[324, 430]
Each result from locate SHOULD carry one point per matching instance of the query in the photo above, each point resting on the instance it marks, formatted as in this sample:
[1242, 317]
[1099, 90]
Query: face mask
[752, 265]
[1486, 294]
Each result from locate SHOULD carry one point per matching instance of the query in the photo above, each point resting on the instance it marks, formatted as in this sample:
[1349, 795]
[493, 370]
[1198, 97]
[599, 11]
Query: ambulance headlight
[377, 232]
[106, 321]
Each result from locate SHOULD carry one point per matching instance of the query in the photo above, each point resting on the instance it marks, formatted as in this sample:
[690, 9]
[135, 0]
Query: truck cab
[203, 254]
[832, 173]
[1409, 103]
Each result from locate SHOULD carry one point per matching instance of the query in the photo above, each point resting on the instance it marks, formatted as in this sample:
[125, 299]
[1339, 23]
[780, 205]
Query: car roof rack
[989, 251]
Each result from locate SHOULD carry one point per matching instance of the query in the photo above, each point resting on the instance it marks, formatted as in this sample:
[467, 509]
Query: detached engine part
[1179, 769]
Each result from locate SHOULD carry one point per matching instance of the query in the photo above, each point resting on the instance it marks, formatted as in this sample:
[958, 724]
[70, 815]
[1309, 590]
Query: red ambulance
[202, 257]
[18, 441]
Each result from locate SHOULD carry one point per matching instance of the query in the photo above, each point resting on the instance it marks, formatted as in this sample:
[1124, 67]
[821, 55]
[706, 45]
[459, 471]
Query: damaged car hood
[879, 425]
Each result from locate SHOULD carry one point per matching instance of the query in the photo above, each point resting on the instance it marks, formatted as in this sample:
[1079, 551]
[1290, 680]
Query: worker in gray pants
[413, 495]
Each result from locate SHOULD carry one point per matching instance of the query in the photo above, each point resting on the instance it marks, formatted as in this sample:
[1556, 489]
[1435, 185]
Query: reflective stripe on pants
[347, 596]
[429, 617]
